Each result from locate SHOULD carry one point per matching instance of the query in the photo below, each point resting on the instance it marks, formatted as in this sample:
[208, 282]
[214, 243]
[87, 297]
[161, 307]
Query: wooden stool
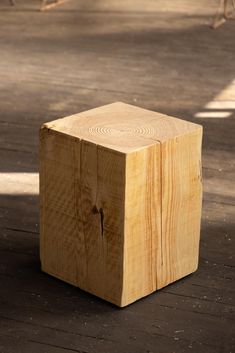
[120, 193]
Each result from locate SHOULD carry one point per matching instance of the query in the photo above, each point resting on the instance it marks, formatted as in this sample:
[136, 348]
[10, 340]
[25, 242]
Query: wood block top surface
[122, 127]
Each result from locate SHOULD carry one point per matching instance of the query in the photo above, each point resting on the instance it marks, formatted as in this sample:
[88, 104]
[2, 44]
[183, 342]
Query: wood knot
[100, 211]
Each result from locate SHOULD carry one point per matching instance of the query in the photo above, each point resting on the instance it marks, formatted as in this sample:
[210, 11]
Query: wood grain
[181, 206]
[142, 259]
[120, 218]
[82, 188]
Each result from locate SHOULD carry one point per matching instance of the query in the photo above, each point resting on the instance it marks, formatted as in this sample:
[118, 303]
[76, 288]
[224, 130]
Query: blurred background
[157, 54]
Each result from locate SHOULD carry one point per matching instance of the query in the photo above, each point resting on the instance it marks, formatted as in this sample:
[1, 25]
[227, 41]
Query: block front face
[82, 214]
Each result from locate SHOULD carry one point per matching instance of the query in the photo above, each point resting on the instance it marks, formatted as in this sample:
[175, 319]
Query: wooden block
[120, 200]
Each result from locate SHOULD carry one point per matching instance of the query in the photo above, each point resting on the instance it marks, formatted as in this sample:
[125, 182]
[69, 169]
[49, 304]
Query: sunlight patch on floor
[19, 184]
[221, 106]
[213, 115]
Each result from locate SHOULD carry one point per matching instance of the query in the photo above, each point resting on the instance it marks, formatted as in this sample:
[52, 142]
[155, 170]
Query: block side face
[82, 214]
[181, 206]
[142, 245]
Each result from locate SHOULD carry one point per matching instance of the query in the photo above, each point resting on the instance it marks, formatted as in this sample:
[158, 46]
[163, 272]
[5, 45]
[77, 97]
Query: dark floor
[82, 55]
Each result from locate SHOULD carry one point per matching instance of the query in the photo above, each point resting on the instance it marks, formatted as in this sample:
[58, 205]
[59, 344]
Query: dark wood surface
[79, 56]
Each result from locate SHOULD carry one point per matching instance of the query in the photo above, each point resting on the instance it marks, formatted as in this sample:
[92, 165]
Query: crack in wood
[54, 328]
[100, 211]
[45, 344]
[195, 297]
[194, 311]
[21, 230]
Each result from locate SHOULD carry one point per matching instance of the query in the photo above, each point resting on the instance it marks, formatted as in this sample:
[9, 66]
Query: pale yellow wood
[181, 206]
[61, 243]
[121, 197]
[142, 250]
[122, 127]
[82, 189]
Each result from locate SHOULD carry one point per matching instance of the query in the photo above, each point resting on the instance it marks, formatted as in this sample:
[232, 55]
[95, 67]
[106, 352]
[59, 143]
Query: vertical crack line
[42, 192]
[101, 212]
[161, 201]
[82, 210]
[159, 268]
[99, 198]
[97, 177]
[75, 199]
[96, 209]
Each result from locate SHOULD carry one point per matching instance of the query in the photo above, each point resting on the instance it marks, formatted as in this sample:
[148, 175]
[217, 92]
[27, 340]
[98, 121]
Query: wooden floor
[159, 55]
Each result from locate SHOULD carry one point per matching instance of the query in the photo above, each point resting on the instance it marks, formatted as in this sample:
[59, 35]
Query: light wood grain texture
[181, 206]
[120, 200]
